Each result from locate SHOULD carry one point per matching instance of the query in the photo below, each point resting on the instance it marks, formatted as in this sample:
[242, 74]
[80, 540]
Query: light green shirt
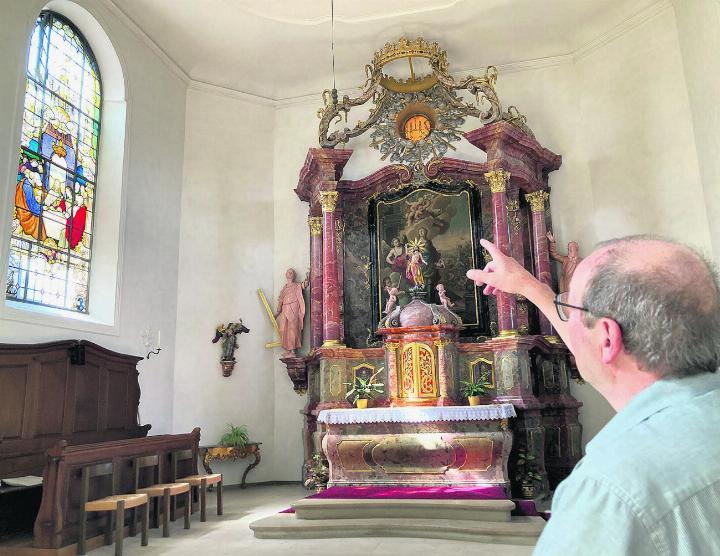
[649, 483]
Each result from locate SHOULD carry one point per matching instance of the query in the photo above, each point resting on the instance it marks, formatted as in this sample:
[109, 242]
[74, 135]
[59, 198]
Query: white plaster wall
[226, 254]
[155, 131]
[698, 23]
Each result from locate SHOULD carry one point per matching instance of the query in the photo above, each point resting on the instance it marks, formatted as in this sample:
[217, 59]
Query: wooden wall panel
[51, 397]
[13, 391]
[87, 398]
[118, 400]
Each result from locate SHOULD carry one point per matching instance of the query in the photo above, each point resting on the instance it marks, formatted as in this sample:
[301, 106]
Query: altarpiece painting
[425, 237]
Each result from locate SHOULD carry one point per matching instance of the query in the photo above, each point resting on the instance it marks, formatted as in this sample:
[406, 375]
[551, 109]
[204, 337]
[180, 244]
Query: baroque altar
[389, 252]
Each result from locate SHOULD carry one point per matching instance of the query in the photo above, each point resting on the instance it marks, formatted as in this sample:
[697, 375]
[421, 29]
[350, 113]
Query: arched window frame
[110, 202]
[56, 183]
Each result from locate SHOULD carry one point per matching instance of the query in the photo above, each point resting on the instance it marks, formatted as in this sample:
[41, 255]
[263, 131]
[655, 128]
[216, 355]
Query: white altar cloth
[426, 414]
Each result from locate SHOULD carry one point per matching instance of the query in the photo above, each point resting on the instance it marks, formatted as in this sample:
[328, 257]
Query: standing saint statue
[290, 313]
[569, 262]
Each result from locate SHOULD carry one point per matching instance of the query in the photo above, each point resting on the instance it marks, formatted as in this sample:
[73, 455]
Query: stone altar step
[469, 510]
[518, 531]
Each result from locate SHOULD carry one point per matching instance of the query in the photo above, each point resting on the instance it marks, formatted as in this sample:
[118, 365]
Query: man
[642, 318]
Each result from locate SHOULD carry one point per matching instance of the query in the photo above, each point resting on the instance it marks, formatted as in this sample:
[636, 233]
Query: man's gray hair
[669, 313]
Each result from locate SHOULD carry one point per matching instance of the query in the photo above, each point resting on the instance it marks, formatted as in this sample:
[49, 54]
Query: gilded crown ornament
[415, 119]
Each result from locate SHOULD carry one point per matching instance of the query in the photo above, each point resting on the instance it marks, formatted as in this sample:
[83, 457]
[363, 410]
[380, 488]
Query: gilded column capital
[328, 200]
[537, 200]
[315, 223]
[498, 180]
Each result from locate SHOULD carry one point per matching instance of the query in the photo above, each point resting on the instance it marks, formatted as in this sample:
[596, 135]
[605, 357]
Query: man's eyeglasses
[562, 306]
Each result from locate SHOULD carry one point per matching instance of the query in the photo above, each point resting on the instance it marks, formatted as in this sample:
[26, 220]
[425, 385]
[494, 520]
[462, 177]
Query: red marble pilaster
[331, 293]
[506, 304]
[340, 254]
[517, 249]
[316, 281]
[392, 363]
[540, 248]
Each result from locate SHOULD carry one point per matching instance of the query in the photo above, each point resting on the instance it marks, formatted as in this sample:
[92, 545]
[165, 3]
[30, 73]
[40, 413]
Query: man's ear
[612, 340]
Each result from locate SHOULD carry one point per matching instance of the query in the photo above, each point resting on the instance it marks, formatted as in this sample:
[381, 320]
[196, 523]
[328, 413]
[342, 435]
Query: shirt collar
[655, 398]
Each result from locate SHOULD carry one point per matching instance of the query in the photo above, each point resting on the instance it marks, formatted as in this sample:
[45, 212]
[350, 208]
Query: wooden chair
[115, 505]
[158, 490]
[200, 482]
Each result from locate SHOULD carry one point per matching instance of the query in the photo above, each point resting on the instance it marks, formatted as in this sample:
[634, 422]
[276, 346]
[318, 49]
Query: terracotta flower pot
[474, 400]
[361, 404]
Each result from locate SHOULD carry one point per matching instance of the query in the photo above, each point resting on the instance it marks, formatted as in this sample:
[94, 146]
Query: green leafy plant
[526, 469]
[318, 472]
[476, 388]
[364, 388]
[236, 436]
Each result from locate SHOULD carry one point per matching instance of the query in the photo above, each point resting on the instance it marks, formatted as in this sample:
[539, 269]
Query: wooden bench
[58, 521]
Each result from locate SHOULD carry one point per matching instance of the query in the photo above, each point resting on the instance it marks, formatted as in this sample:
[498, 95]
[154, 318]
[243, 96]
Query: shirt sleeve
[592, 517]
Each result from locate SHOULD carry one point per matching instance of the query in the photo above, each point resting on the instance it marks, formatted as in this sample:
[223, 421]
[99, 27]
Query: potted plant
[473, 390]
[526, 474]
[235, 437]
[364, 389]
[318, 473]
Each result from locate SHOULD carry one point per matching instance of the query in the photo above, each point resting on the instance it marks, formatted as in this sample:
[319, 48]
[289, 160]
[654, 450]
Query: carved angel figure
[443, 296]
[228, 333]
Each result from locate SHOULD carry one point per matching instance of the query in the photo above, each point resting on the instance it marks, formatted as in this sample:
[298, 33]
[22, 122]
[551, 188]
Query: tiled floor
[229, 534]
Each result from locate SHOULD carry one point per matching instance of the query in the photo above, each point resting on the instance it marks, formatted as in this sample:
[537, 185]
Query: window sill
[50, 317]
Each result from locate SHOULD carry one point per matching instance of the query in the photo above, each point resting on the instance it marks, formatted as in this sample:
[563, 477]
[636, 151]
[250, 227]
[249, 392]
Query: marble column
[339, 253]
[540, 248]
[506, 304]
[316, 281]
[517, 250]
[331, 294]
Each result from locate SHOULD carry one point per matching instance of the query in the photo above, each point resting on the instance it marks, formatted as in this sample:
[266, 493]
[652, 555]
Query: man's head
[422, 232]
[290, 275]
[652, 305]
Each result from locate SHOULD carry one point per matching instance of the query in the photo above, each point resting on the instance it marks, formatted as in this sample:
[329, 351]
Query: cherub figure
[393, 294]
[228, 333]
[443, 296]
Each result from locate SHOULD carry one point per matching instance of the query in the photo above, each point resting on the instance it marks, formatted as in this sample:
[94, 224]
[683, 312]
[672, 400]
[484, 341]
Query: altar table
[418, 446]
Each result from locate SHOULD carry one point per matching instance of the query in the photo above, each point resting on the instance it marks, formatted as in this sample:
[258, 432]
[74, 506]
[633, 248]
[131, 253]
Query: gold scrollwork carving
[328, 200]
[392, 345]
[365, 269]
[537, 200]
[315, 223]
[498, 180]
[513, 206]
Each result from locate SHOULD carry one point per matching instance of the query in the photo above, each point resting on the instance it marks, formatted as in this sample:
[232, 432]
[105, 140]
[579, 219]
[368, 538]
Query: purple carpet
[408, 493]
[523, 507]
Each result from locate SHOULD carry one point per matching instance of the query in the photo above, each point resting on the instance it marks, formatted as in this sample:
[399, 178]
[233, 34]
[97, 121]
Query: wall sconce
[151, 341]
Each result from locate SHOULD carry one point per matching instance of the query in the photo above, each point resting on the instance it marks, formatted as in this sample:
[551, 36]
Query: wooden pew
[57, 523]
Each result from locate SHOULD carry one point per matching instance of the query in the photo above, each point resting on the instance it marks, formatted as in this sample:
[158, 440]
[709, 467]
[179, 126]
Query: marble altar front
[418, 446]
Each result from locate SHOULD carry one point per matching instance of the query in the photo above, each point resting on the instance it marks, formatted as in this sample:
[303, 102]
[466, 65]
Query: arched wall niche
[109, 205]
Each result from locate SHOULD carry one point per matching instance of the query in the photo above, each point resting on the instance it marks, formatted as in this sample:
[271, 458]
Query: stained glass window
[51, 241]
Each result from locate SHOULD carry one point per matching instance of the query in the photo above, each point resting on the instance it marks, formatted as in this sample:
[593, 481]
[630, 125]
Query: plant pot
[361, 404]
[527, 491]
[474, 400]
